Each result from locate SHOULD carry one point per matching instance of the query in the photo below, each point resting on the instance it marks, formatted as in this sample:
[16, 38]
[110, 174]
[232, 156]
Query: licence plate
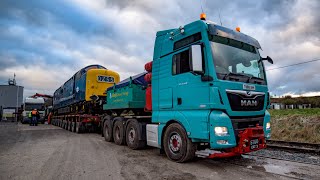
[254, 144]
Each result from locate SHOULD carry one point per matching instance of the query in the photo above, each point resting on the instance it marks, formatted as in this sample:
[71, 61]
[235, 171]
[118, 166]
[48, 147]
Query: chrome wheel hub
[175, 142]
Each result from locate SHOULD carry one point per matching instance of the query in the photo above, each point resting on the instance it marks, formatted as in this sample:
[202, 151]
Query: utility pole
[14, 80]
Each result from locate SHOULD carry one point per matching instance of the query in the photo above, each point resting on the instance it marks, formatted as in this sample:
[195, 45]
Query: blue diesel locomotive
[84, 92]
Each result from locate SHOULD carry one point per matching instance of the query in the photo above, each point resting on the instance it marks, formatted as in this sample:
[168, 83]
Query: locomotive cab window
[181, 62]
[77, 76]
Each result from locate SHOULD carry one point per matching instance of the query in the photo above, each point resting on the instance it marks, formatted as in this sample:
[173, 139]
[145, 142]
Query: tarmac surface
[49, 152]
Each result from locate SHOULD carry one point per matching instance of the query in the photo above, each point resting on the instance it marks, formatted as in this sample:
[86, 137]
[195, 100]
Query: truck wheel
[107, 129]
[133, 135]
[177, 146]
[118, 132]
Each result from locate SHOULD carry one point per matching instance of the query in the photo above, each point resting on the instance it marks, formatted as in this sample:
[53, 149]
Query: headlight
[268, 126]
[221, 131]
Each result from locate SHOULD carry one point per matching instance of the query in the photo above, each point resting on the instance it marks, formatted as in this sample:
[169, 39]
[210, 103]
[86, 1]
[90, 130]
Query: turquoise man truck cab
[208, 93]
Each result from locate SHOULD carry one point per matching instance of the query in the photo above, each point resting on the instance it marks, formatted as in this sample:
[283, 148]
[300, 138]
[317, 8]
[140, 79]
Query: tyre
[72, 126]
[107, 129]
[78, 128]
[68, 125]
[133, 134]
[118, 132]
[177, 146]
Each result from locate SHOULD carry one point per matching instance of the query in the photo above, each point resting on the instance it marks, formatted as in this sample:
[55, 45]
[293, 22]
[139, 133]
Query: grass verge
[299, 125]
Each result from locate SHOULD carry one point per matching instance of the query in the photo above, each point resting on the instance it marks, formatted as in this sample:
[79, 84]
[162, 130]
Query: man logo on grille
[249, 103]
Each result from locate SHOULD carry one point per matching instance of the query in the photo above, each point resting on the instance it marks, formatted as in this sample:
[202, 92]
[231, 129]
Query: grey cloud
[124, 47]
[296, 79]
[6, 61]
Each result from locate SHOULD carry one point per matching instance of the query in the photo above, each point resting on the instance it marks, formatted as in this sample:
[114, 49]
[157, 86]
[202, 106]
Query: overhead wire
[318, 59]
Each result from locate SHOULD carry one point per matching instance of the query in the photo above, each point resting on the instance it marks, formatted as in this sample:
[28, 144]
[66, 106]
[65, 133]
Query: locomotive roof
[82, 69]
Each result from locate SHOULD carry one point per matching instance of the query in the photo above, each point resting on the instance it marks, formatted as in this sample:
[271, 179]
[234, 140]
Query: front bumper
[251, 139]
[221, 119]
[27, 120]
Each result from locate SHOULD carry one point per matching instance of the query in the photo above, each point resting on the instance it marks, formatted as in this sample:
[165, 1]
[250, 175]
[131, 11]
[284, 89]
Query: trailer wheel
[73, 126]
[70, 126]
[78, 128]
[107, 129]
[177, 146]
[118, 132]
[67, 125]
[133, 134]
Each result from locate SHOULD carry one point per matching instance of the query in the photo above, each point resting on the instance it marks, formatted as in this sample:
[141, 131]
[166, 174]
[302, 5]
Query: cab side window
[77, 76]
[181, 62]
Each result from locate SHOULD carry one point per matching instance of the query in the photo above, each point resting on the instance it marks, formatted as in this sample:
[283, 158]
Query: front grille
[240, 124]
[245, 101]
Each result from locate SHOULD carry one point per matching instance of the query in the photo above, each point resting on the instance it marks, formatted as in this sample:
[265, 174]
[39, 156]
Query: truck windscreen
[235, 60]
[30, 107]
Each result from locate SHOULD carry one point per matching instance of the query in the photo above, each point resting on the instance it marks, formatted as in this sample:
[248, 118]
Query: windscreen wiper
[249, 77]
[259, 80]
[232, 74]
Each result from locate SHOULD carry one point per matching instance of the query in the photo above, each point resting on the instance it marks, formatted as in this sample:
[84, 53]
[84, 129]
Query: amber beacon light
[203, 16]
[238, 29]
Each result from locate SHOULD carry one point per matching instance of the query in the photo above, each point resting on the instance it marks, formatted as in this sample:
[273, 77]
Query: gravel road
[48, 152]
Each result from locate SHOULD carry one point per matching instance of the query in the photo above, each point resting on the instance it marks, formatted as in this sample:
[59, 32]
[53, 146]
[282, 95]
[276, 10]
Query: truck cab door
[190, 92]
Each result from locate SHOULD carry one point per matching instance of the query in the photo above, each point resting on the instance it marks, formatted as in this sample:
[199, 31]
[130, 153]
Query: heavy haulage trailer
[78, 123]
[204, 94]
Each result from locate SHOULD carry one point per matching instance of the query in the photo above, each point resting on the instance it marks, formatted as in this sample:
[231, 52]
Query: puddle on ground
[313, 157]
[285, 168]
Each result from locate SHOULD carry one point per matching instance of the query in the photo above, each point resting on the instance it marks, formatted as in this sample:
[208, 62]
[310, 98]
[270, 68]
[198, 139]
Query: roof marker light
[238, 29]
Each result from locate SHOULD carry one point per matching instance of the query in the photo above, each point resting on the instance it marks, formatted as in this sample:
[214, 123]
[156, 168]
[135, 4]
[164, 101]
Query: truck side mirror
[268, 59]
[196, 58]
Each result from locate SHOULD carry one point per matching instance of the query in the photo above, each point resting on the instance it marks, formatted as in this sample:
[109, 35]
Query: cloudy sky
[45, 42]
